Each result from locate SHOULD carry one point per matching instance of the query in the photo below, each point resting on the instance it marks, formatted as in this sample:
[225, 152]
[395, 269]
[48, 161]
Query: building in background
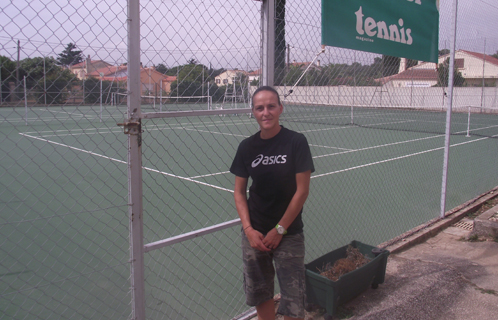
[152, 81]
[229, 77]
[84, 68]
[475, 68]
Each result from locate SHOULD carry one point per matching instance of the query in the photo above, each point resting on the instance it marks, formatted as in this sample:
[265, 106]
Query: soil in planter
[354, 260]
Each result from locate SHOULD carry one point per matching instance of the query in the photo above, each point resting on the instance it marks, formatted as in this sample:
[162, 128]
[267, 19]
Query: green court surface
[64, 199]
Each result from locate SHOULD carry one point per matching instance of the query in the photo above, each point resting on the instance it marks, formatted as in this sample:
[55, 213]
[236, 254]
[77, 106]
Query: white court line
[396, 158]
[379, 146]
[327, 147]
[210, 175]
[79, 134]
[224, 172]
[69, 113]
[352, 150]
[215, 132]
[65, 130]
[406, 141]
[121, 161]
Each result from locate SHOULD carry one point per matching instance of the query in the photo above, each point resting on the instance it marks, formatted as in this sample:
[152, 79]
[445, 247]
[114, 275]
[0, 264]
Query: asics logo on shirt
[268, 160]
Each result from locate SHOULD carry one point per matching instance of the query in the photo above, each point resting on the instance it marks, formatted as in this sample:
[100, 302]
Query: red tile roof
[481, 56]
[107, 71]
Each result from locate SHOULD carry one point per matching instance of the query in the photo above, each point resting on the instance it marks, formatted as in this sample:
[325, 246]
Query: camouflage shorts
[259, 274]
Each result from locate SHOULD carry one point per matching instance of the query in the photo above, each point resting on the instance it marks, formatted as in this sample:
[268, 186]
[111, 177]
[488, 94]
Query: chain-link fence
[376, 126]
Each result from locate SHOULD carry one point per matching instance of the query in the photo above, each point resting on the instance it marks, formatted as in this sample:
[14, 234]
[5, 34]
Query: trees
[292, 75]
[8, 74]
[93, 93]
[192, 72]
[390, 65]
[190, 80]
[161, 68]
[49, 82]
[69, 56]
[442, 52]
[443, 75]
[495, 55]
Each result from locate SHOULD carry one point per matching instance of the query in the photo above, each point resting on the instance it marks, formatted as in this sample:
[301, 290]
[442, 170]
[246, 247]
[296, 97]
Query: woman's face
[267, 110]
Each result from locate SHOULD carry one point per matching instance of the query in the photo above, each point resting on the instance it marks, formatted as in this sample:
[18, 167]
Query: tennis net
[468, 121]
[166, 103]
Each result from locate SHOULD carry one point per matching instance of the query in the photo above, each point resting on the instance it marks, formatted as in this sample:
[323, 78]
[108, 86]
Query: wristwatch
[280, 230]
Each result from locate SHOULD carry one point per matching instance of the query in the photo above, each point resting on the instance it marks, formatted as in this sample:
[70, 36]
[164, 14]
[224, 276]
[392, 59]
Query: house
[422, 75]
[255, 75]
[473, 66]
[83, 69]
[152, 81]
[303, 65]
[229, 77]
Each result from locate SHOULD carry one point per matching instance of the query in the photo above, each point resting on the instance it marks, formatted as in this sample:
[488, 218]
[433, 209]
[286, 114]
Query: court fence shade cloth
[375, 125]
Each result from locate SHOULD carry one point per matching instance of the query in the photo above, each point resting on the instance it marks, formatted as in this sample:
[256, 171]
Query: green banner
[400, 28]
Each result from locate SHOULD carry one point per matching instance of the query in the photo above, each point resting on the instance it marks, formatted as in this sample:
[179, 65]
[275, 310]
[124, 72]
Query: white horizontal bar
[190, 235]
[177, 114]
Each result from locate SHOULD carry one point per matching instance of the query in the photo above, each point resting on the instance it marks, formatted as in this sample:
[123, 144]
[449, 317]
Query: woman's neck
[268, 134]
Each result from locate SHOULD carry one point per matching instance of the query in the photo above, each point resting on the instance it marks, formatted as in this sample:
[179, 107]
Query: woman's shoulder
[249, 140]
[293, 135]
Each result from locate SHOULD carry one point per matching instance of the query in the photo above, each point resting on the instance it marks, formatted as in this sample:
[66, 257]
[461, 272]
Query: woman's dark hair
[265, 88]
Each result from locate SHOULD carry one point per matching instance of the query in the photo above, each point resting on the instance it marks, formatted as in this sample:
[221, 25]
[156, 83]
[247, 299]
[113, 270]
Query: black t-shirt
[272, 165]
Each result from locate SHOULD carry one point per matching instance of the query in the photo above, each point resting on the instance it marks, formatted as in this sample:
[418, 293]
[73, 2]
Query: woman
[279, 163]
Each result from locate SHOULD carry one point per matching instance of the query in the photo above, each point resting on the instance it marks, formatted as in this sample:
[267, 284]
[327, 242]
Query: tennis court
[65, 188]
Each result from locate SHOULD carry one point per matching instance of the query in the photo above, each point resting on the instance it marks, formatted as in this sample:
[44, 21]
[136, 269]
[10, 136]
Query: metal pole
[448, 112]
[25, 101]
[135, 207]
[483, 64]
[18, 81]
[268, 45]
[468, 122]
[101, 99]
[44, 81]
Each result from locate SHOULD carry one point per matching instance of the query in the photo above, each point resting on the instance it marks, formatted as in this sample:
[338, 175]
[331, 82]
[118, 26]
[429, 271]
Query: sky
[220, 33]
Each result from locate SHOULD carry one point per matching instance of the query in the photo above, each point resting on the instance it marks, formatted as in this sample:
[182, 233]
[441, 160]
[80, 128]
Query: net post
[468, 123]
[101, 94]
[25, 102]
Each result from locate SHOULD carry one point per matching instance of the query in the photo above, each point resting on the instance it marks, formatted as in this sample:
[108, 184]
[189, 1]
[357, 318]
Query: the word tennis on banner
[401, 28]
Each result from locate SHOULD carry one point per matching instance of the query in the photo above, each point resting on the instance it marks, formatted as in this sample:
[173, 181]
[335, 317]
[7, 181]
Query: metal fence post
[268, 45]
[133, 128]
[448, 112]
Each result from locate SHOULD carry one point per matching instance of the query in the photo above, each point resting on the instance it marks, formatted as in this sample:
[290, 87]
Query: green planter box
[330, 294]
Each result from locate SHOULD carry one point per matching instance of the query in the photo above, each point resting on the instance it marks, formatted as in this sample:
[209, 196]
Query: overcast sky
[217, 32]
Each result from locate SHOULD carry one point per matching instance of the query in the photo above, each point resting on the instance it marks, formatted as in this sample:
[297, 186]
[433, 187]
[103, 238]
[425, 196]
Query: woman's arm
[240, 196]
[303, 179]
